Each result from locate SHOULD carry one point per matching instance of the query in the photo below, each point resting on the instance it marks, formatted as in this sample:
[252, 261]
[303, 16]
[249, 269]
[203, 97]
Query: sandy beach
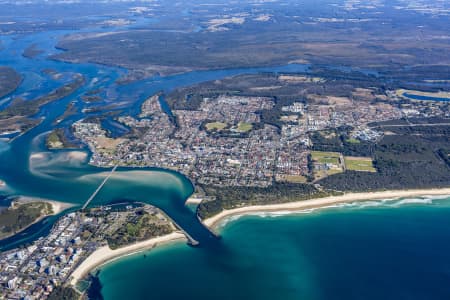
[193, 200]
[105, 254]
[57, 206]
[322, 202]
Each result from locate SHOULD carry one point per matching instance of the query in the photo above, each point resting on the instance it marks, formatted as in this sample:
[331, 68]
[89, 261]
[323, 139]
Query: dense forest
[22, 215]
[402, 161]
[338, 140]
[63, 293]
[9, 81]
[232, 197]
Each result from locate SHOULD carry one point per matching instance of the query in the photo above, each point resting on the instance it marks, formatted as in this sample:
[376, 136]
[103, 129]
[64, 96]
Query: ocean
[376, 250]
[372, 250]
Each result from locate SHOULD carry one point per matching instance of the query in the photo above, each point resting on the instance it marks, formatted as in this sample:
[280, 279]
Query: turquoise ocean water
[395, 250]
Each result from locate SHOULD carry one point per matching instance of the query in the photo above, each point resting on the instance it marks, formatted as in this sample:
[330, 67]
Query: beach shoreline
[213, 222]
[105, 255]
[57, 208]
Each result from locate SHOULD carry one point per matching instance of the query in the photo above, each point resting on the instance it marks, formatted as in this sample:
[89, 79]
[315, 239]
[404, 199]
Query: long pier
[99, 188]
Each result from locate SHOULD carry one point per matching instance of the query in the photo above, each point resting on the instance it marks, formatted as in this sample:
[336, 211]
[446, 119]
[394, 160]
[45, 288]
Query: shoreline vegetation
[105, 255]
[10, 80]
[213, 222]
[57, 139]
[17, 117]
[49, 208]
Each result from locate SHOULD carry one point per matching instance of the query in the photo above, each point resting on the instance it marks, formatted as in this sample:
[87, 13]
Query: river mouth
[30, 169]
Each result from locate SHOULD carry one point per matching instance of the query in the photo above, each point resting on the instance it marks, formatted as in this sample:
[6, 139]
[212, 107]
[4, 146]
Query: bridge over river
[99, 187]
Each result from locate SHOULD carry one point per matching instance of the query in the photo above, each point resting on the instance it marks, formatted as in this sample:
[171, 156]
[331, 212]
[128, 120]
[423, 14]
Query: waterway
[345, 252]
[371, 250]
[425, 98]
[31, 170]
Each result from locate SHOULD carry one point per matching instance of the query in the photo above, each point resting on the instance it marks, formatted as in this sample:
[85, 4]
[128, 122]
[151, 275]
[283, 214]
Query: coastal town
[225, 141]
[34, 271]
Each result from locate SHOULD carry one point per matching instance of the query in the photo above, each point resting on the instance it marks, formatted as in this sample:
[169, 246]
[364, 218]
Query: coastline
[214, 221]
[57, 208]
[104, 255]
[193, 200]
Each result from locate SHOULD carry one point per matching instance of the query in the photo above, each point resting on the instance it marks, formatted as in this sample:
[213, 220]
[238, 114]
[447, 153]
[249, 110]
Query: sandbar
[57, 206]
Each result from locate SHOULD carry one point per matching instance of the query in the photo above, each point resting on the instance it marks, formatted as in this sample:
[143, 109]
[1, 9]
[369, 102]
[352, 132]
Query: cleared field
[353, 141]
[326, 164]
[107, 145]
[326, 157]
[360, 164]
[244, 127]
[216, 126]
[293, 178]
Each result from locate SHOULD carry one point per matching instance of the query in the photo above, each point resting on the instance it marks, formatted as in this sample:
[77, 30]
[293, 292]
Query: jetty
[99, 187]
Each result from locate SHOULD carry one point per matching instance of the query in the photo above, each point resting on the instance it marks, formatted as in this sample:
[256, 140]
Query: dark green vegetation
[32, 51]
[58, 139]
[63, 293]
[20, 107]
[140, 227]
[445, 155]
[318, 33]
[415, 157]
[21, 215]
[233, 197]
[17, 116]
[258, 85]
[338, 140]
[95, 287]
[402, 160]
[70, 110]
[9, 81]
[282, 92]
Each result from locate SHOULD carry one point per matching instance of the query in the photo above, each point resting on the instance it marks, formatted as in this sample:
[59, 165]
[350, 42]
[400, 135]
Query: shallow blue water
[394, 253]
[56, 174]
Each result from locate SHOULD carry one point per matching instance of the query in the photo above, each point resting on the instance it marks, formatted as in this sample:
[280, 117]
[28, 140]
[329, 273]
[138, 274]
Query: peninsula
[25, 211]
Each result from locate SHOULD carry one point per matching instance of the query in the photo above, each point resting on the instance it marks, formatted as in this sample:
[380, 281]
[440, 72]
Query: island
[57, 139]
[9, 81]
[18, 116]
